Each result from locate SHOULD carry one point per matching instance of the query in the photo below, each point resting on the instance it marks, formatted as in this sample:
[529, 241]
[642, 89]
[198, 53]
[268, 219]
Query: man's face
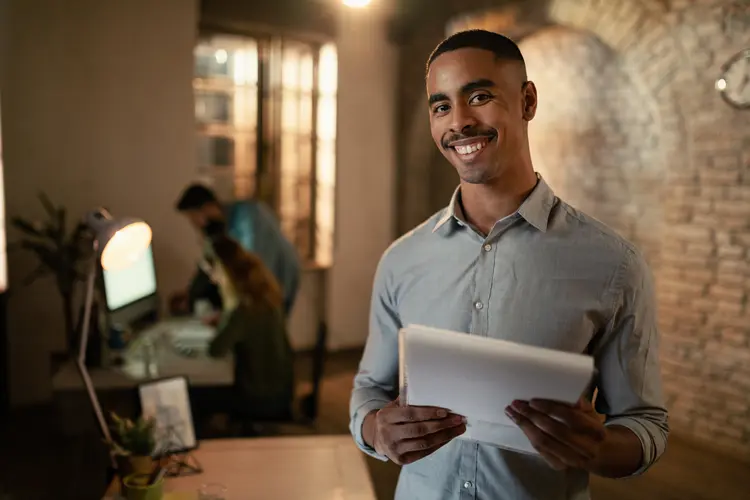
[200, 217]
[479, 110]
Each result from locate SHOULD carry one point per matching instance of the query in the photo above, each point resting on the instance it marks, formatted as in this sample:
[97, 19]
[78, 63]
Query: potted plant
[133, 444]
[59, 253]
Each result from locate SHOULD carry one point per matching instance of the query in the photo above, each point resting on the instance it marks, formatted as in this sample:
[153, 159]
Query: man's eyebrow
[437, 98]
[482, 83]
[467, 88]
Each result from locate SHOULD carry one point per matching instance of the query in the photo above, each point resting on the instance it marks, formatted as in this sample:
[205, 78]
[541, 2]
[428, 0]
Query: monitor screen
[131, 284]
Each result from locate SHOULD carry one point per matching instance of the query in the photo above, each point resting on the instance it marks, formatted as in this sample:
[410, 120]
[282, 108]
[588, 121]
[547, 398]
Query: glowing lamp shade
[356, 3]
[118, 243]
[125, 246]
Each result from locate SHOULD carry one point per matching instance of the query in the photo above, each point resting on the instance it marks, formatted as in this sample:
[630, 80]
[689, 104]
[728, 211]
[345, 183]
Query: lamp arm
[84, 342]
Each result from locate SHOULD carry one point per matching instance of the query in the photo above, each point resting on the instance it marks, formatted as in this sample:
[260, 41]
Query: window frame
[268, 165]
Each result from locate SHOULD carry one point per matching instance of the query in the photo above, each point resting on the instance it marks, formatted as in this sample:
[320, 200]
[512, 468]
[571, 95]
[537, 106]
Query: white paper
[478, 377]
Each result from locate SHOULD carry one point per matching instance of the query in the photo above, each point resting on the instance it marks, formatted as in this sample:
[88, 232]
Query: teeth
[465, 150]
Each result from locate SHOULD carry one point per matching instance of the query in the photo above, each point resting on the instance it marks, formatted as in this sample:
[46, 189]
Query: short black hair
[500, 45]
[194, 197]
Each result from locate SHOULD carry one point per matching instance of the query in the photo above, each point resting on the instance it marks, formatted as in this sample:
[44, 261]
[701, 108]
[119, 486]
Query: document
[477, 377]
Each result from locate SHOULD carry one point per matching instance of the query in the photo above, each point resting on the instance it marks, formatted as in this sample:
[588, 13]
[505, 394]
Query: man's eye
[440, 108]
[479, 98]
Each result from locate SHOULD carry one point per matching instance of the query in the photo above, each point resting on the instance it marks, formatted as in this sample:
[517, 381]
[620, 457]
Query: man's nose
[462, 119]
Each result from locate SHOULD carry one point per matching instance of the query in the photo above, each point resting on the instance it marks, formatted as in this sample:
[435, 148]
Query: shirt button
[467, 484]
[487, 247]
[478, 305]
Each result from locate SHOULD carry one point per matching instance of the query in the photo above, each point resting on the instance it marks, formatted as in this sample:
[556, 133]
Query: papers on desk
[190, 334]
[477, 377]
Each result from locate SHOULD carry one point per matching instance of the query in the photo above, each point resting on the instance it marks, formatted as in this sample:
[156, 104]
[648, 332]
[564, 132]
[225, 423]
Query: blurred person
[508, 259]
[254, 226]
[253, 328]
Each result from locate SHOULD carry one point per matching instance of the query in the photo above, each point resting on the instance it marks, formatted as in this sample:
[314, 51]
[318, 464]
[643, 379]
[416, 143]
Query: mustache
[467, 134]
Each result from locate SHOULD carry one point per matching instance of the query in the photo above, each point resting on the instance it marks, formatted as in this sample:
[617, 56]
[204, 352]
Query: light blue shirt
[547, 275]
[256, 228]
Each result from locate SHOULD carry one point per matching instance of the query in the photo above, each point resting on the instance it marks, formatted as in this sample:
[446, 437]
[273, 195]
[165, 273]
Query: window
[265, 112]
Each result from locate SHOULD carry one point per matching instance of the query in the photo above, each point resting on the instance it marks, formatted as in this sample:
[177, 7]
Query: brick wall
[597, 150]
[631, 130]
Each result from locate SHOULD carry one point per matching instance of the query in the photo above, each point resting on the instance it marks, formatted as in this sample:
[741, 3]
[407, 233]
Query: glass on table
[212, 491]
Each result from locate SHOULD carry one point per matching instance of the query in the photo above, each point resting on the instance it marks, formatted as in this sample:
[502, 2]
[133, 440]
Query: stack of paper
[478, 377]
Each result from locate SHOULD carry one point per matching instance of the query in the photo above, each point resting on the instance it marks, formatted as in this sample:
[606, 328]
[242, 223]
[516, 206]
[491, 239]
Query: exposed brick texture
[631, 130]
[594, 147]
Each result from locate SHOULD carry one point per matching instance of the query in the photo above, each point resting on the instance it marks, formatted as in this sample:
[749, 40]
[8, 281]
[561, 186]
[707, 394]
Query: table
[280, 468]
[115, 385]
[201, 370]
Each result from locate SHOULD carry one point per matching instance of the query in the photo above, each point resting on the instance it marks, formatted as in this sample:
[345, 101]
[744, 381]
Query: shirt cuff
[358, 418]
[650, 445]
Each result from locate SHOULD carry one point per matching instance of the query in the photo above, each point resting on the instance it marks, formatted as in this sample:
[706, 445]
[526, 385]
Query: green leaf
[49, 207]
[61, 216]
[47, 255]
[26, 227]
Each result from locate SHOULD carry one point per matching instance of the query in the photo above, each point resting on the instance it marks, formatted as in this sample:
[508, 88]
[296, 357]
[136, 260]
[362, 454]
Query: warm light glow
[221, 56]
[326, 154]
[721, 84]
[127, 244]
[356, 3]
[246, 63]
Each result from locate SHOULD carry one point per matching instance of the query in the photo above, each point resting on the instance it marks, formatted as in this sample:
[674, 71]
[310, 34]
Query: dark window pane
[215, 151]
[212, 107]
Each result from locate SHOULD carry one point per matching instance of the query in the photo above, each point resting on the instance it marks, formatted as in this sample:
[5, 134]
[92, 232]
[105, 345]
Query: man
[254, 226]
[508, 259]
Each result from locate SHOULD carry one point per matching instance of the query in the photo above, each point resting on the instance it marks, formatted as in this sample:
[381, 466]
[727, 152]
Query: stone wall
[631, 130]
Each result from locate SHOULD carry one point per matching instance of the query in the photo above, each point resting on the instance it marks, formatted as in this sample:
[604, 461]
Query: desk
[201, 370]
[112, 382]
[284, 468]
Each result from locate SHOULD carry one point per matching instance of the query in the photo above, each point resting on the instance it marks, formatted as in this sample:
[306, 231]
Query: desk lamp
[117, 244]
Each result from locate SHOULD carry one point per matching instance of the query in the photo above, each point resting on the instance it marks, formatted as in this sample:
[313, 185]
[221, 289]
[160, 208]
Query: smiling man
[508, 259]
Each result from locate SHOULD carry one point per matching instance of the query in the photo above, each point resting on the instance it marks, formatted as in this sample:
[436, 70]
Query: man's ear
[529, 101]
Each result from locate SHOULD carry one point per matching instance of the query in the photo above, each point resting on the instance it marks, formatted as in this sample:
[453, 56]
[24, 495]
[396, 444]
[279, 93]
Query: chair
[309, 403]
[307, 408]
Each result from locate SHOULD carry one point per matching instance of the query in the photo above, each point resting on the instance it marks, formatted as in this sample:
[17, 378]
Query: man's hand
[212, 319]
[406, 434]
[566, 436]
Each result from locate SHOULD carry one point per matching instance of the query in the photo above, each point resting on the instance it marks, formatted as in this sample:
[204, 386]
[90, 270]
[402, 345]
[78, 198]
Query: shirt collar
[535, 209]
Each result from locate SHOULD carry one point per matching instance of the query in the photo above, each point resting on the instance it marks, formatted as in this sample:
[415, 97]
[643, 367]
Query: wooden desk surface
[282, 468]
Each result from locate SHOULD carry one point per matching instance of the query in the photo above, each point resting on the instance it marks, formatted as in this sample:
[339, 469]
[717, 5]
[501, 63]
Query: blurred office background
[318, 109]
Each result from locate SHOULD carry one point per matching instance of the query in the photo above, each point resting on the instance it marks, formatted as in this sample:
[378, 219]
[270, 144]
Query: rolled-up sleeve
[376, 382]
[627, 357]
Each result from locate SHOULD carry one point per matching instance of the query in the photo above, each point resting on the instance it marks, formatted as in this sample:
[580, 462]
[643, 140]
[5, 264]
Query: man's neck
[485, 204]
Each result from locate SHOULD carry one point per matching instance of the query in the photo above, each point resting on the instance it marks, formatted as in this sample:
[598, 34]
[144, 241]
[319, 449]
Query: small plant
[132, 438]
[59, 253]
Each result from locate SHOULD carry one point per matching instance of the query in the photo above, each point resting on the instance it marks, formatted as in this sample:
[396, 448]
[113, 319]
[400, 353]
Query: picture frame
[167, 401]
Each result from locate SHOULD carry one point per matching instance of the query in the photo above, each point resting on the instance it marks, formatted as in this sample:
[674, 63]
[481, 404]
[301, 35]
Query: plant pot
[140, 464]
[136, 487]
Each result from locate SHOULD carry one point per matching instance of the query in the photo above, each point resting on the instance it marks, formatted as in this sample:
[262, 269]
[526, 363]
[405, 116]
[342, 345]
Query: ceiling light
[356, 3]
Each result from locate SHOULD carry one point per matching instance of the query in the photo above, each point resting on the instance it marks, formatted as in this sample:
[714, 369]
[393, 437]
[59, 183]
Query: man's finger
[429, 441]
[577, 418]
[401, 415]
[414, 430]
[556, 429]
[555, 452]
[413, 456]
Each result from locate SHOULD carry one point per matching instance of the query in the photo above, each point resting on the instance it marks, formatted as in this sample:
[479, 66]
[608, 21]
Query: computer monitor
[130, 293]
